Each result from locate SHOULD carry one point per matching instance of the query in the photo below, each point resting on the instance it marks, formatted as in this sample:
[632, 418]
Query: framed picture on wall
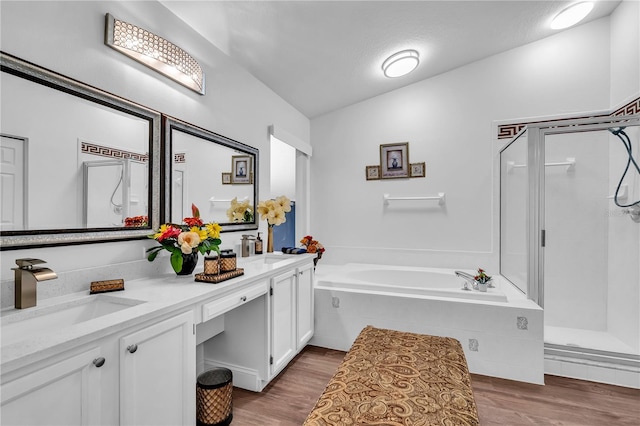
[373, 172]
[394, 160]
[226, 178]
[417, 169]
[241, 169]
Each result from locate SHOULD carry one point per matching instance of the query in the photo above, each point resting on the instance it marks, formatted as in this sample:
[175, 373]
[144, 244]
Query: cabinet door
[305, 306]
[65, 393]
[283, 321]
[157, 374]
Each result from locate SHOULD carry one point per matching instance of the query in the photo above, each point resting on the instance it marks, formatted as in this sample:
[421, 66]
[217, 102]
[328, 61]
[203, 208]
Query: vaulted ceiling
[324, 55]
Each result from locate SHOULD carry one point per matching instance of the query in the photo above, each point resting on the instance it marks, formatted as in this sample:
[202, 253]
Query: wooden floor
[288, 399]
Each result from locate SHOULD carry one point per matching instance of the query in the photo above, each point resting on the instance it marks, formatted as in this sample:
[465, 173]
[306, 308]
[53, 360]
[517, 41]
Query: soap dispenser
[258, 244]
[246, 245]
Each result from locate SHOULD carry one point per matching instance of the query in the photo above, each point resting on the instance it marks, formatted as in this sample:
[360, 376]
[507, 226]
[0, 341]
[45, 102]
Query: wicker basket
[214, 391]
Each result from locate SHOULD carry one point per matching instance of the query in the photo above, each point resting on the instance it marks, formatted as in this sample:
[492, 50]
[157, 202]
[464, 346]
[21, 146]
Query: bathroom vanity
[132, 357]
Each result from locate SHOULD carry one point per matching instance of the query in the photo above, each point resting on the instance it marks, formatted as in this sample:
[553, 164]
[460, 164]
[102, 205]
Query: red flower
[193, 221]
[170, 232]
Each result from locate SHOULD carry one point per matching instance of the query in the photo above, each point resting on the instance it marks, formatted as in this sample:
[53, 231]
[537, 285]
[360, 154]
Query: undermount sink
[32, 322]
[266, 259]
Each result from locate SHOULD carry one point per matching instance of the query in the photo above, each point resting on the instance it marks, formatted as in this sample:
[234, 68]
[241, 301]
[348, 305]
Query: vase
[270, 240]
[315, 259]
[482, 286]
[189, 262]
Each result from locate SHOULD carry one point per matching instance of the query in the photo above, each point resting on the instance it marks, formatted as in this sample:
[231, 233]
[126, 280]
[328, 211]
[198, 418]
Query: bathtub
[501, 331]
[403, 280]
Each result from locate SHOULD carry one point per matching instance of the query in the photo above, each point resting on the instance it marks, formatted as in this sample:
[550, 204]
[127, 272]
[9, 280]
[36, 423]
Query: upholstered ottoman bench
[397, 378]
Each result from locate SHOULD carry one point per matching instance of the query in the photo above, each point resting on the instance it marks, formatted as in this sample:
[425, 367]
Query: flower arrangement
[136, 221]
[312, 245]
[482, 277]
[274, 210]
[240, 212]
[193, 236]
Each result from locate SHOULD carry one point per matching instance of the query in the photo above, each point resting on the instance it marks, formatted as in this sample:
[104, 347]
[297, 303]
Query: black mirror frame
[12, 240]
[170, 123]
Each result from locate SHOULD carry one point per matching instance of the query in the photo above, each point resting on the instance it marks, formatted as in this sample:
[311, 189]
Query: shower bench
[394, 377]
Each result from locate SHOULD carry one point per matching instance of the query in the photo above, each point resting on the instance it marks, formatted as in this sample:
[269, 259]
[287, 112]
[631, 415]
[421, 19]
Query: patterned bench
[396, 378]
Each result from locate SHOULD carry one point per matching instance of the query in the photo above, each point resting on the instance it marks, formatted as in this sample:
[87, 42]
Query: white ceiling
[324, 55]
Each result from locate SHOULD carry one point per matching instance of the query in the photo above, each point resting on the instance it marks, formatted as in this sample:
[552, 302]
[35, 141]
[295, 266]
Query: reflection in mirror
[82, 161]
[217, 174]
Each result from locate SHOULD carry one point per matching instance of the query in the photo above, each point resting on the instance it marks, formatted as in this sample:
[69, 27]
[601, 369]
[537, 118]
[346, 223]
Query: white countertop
[160, 296]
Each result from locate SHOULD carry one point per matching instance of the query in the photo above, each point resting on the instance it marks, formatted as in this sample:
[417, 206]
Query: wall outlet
[523, 323]
[335, 301]
[473, 345]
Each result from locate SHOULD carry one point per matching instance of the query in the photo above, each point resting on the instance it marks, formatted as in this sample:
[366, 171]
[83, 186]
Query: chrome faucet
[467, 278]
[26, 278]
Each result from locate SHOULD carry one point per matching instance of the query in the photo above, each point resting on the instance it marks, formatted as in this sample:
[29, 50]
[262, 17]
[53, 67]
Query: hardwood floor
[288, 399]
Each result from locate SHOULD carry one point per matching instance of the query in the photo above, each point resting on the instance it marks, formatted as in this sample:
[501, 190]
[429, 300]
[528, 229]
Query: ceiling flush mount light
[400, 63]
[571, 15]
[154, 52]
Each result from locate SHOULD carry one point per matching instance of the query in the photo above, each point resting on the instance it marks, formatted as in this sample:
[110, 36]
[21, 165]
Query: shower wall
[576, 251]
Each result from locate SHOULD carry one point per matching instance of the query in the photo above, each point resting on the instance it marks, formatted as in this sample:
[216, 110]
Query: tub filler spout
[468, 278]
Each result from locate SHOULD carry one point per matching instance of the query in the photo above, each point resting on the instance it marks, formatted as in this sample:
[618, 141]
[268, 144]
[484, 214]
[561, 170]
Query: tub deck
[398, 378]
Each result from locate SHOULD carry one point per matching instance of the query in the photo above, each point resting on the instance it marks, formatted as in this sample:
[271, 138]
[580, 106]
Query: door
[13, 183]
[157, 374]
[65, 393]
[283, 321]
[305, 306]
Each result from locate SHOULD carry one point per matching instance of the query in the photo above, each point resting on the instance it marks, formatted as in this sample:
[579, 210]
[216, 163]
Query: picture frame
[417, 170]
[241, 169]
[226, 178]
[394, 160]
[372, 172]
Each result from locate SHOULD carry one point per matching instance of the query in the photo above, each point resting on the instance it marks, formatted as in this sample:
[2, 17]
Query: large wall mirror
[215, 173]
[78, 164]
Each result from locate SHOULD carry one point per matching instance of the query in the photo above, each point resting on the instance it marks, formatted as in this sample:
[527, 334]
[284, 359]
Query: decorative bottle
[258, 244]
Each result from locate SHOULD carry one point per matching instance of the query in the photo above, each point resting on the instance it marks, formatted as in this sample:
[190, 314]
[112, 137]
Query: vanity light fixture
[154, 52]
[571, 15]
[401, 63]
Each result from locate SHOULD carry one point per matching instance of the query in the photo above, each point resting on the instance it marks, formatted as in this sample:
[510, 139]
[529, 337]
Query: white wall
[68, 37]
[447, 121]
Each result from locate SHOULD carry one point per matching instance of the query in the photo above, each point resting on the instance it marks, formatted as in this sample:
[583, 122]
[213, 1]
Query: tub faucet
[26, 278]
[467, 278]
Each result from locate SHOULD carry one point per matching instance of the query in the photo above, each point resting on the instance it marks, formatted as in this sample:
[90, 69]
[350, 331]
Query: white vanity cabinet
[144, 375]
[65, 392]
[291, 315]
[305, 302]
[262, 336]
[158, 374]
[283, 320]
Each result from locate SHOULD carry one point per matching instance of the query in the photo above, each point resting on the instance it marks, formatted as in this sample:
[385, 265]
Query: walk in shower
[570, 233]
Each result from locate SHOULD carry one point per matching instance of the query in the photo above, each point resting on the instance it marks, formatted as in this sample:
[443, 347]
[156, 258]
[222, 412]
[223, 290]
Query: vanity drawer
[220, 306]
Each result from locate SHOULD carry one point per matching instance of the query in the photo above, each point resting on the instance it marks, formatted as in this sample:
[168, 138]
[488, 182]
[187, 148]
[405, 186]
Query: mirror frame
[11, 240]
[169, 124]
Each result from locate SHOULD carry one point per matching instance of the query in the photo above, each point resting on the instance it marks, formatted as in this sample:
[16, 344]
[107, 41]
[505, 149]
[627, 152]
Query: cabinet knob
[132, 348]
[243, 298]
[99, 362]
[301, 272]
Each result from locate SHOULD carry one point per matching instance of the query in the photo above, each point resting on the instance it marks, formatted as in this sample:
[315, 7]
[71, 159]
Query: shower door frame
[536, 196]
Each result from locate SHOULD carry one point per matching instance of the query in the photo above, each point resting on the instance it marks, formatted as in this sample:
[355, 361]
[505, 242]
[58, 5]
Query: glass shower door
[591, 247]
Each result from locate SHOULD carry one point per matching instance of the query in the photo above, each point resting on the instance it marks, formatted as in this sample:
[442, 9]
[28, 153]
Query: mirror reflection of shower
[107, 192]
